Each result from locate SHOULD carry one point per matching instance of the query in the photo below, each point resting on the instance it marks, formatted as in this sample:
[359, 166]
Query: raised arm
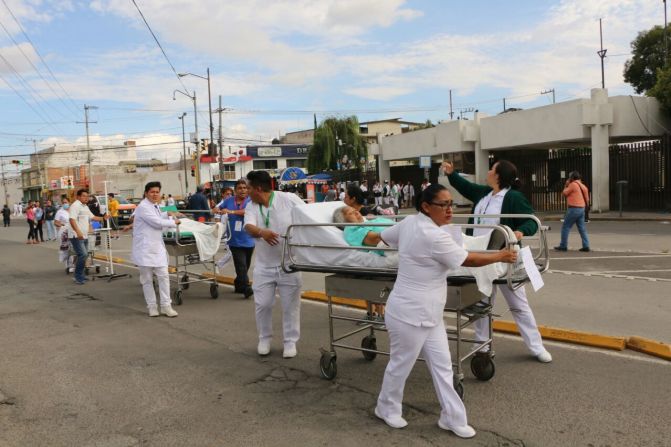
[472, 191]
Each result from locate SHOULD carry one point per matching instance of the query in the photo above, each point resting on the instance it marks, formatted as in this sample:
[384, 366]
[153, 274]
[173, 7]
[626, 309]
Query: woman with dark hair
[241, 243]
[500, 196]
[414, 314]
[577, 199]
[355, 198]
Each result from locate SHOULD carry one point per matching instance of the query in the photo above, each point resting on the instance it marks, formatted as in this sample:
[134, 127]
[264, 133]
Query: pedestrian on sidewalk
[39, 221]
[149, 252]
[577, 200]
[80, 219]
[501, 196]
[62, 222]
[6, 214]
[113, 210]
[49, 215]
[241, 243]
[266, 218]
[30, 218]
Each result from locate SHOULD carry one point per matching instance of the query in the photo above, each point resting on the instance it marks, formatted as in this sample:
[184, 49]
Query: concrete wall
[172, 182]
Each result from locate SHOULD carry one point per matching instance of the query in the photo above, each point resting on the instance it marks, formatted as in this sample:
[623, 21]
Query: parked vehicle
[126, 208]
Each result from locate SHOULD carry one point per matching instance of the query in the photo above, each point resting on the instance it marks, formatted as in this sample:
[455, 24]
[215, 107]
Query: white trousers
[268, 281]
[146, 279]
[378, 200]
[522, 314]
[408, 342]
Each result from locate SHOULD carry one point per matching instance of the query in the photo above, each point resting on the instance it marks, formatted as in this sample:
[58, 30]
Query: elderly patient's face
[352, 216]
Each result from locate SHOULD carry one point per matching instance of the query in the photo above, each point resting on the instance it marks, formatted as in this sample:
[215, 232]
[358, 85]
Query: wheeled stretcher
[374, 281]
[181, 246]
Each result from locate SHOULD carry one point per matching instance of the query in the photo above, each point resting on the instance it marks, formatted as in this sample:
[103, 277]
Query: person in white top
[62, 221]
[377, 193]
[171, 200]
[414, 313]
[267, 218]
[501, 196]
[148, 251]
[80, 217]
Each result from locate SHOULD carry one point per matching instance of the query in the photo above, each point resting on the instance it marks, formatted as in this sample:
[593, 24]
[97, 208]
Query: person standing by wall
[577, 200]
[267, 217]
[49, 215]
[149, 252]
[241, 243]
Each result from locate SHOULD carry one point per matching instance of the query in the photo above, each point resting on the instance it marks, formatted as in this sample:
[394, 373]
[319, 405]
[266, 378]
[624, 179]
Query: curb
[650, 347]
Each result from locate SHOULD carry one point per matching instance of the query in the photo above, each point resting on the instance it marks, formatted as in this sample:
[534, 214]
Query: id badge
[238, 226]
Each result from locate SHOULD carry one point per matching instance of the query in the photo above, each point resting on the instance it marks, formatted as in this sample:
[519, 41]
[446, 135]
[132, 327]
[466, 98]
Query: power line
[159, 45]
[33, 65]
[39, 55]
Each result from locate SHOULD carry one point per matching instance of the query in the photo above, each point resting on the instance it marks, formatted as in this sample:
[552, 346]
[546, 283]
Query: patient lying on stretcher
[369, 236]
[361, 236]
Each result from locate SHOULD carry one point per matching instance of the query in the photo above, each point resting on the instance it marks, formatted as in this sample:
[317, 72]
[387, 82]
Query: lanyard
[266, 218]
[239, 207]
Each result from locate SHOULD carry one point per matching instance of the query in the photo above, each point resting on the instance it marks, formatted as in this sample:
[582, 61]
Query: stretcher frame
[373, 285]
[185, 254]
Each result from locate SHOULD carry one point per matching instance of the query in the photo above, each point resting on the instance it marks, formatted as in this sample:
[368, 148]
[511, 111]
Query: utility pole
[39, 170]
[666, 41]
[4, 183]
[186, 181]
[451, 113]
[504, 104]
[221, 143]
[544, 92]
[465, 110]
[602, 55]
[88, 143]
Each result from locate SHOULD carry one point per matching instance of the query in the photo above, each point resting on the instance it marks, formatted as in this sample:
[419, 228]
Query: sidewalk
[612, 216]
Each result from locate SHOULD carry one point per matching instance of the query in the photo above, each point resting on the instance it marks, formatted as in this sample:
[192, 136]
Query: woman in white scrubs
[414, 314]
[501, 196]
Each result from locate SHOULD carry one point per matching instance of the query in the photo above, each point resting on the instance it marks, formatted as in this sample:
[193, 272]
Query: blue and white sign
[425, 162]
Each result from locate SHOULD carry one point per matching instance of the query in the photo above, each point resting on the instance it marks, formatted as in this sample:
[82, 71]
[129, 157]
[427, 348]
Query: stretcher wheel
[328, 366]
[369, 342]
[86, 270]
[178, 297]
[214, 291]
[185, 282]
[482, 367]
[459, 388]
[97, 269]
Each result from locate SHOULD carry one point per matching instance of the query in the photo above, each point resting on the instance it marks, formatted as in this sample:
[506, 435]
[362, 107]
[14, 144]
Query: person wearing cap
[501, 196]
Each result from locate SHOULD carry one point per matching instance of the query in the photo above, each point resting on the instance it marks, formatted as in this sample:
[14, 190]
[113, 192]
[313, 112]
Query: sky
[276, 62]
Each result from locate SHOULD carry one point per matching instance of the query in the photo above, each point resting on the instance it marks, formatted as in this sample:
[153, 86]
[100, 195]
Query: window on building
[265, 164]
[296, 162]
[229, 172]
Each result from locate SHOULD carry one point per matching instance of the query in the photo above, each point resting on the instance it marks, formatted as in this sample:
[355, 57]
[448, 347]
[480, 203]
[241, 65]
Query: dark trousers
[5, 220]
[31, 230]
[80, 247]
[242, 258]
[38, 231]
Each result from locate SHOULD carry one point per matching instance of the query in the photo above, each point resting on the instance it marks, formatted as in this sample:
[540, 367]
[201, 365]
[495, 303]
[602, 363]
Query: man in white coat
[149, 252]
[267, 217]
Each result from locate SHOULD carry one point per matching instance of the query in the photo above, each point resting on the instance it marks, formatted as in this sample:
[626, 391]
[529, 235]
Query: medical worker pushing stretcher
[414, 314]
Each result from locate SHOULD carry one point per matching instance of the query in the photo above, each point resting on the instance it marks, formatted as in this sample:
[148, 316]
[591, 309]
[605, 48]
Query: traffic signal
[203, 147]
[193, 171]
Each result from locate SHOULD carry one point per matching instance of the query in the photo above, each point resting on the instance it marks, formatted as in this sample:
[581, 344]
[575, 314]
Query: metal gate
[647, 169]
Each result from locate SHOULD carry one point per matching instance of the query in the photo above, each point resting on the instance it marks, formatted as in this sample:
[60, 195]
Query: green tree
[334, 138]
[648, 49]
[662, 88]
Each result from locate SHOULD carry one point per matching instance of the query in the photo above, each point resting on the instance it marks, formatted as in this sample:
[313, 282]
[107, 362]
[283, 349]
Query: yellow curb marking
[652, 347]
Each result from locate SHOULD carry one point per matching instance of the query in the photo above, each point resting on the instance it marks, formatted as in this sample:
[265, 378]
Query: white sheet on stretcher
[208, 237]
[316, 213]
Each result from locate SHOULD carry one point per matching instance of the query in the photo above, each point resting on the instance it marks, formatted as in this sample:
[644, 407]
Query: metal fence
[646, 167]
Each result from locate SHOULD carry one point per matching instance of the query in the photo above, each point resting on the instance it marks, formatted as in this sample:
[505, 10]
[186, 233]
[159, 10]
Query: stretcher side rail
[513, 278]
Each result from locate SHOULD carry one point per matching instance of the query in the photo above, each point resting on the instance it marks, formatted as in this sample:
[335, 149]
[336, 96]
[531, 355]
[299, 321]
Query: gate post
[598, 115]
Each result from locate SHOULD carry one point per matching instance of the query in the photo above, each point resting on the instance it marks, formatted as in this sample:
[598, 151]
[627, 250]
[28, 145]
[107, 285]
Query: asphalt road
[84, 366]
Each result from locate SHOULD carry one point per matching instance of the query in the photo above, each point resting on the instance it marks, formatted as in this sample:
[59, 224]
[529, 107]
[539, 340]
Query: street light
[195, 120]
[209, 97]
[186, 181]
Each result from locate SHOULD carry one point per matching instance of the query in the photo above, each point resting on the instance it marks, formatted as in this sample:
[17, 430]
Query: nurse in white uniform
[267, 218]
[414, 313]
[149, 252]
[501, 196]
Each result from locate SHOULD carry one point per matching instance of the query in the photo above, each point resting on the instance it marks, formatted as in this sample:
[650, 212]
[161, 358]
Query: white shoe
[289, 351]
[395, 422]
[168, 311]
[465, 431]
[153, 311]
[264, 347]
[544, 357]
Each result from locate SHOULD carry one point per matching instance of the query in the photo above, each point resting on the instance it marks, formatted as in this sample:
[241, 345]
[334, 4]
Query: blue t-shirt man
[239, 237]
